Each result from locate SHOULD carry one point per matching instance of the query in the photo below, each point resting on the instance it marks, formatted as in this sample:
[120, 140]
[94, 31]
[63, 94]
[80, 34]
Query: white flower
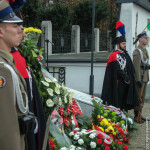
[47, 79]
[45, 83]
[57, 90]
[71, 133]
[71, 94]
[77, 129]
[60, 101]
[65, 99]
[92, 135]
[80, 141]
[76, 137]
[70, 99]
[63, 148]
[72, 146]
[84, 132]
[49, 103]
[93, 144]
[63, 85]
[54, 80]
[50, 91]
[57, 85]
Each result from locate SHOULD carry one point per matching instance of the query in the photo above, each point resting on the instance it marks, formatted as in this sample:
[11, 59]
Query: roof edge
[143, 3]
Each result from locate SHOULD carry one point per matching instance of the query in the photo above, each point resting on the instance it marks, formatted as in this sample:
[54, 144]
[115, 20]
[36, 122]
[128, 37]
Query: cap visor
[13, 19]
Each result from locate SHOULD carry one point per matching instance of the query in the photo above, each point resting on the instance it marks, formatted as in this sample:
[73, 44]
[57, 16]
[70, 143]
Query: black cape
[115, 91]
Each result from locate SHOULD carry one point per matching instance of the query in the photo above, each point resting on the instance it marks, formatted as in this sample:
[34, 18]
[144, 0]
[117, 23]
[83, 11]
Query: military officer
[140, 62]
[14, 118]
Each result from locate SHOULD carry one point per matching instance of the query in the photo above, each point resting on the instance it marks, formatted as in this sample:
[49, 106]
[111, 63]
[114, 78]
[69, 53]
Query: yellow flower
[106, 130]
[101, 123]
[101, 128]
[108, 124]
[114, 133]
[98, 116]
[109, 120]
[111, 129]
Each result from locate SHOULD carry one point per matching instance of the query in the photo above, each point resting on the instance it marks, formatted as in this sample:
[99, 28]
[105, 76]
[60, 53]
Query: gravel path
[140, 139]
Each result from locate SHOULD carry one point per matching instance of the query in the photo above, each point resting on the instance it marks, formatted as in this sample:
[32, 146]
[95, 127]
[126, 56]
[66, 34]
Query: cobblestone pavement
[140, 138]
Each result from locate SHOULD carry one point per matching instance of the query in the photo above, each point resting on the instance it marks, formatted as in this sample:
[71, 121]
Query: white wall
[128, 17]
[78, 76]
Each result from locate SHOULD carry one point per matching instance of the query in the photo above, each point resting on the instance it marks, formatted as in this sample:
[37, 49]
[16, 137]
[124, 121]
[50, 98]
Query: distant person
[119, 87]
[141, 65]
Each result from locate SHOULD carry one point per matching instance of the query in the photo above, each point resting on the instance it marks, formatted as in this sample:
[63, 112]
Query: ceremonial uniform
[140, 61]
[119, 88]
[35, 138]
[141, 65]
[10, 109]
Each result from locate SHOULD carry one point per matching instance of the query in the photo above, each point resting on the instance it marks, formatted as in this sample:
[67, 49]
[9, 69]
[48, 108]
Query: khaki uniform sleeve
[137, 64]
[9, 127]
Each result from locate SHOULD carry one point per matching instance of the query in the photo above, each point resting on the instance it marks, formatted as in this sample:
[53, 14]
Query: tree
[82, 14]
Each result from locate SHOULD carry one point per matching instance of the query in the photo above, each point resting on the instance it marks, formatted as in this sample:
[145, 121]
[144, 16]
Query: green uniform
[10, 137]
[140, 58]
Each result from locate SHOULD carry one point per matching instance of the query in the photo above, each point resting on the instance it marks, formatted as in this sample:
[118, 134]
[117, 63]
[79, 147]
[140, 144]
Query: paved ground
[140, 139]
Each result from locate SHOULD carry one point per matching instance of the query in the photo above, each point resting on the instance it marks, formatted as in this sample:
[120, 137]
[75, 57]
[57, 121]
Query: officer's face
[10, 35]
[122, 46]
[143, 41]
[23, 35]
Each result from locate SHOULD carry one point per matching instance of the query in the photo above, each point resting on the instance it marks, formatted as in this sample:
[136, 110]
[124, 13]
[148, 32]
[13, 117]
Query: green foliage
[61, 17]
[97, 108]
[27, 52]
[58, 15]
[82, 14]
[29, 13]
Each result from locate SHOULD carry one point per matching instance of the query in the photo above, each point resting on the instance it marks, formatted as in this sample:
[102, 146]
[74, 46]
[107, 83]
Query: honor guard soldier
[119, 87]
[141, 65]
[15, 121]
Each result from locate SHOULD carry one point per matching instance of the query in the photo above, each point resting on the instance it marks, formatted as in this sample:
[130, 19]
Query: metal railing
[85, 42]
[105, 42]
[62, 42]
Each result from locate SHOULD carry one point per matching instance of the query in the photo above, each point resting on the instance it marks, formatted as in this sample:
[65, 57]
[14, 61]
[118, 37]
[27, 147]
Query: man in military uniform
[140, 61]
[119, 87]
[14, 118]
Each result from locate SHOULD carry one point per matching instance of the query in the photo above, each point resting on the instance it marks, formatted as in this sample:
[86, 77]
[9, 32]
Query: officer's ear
[1, 29]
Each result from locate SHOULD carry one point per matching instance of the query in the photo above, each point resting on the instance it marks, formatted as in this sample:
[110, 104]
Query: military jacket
[10, 137]
[140, 58]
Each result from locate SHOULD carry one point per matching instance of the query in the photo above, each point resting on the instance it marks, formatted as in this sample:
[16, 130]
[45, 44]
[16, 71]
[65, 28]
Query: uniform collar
[141, 47]
[122, 51]
[7, 56]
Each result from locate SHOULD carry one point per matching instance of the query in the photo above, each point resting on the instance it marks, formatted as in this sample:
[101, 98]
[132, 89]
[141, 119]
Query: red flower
[66, 122]
[126, 140]
[100, 136]
[51, 144]
[119, 142]
[107, 148]
[61, 111]
[92, 96]
[99, 141]
[75, 131]
[125, 147]
[68, 109]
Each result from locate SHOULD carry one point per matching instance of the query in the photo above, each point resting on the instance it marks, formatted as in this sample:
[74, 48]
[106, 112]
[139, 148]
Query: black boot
[136, 117]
